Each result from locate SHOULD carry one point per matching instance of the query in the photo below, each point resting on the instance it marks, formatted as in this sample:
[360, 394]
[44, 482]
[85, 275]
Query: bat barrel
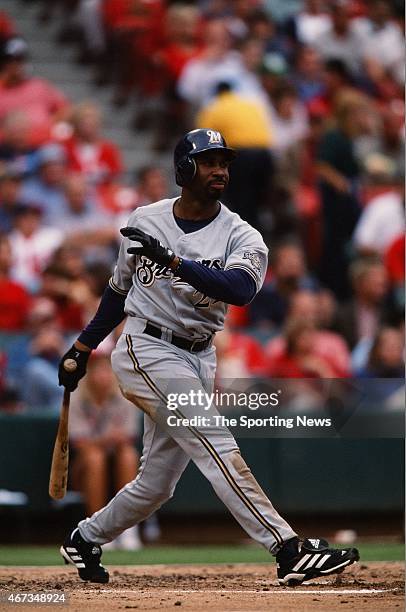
[59, 468]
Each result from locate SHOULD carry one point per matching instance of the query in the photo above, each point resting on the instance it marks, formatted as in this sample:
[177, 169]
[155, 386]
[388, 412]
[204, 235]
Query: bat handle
[66, 397]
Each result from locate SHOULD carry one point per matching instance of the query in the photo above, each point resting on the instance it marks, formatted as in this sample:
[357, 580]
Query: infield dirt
[371, 586]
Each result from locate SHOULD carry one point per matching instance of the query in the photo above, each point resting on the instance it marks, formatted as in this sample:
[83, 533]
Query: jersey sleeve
[121, 280]
[248, 252]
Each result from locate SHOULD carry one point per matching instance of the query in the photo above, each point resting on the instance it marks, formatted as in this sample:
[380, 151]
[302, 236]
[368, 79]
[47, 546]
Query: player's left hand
[150, 246]
[72, 368]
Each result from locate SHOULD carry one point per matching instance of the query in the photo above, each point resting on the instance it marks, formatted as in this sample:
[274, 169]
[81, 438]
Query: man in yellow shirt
[246, 126]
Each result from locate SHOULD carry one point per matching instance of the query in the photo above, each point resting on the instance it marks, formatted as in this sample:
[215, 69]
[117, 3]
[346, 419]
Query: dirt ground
[370, 586]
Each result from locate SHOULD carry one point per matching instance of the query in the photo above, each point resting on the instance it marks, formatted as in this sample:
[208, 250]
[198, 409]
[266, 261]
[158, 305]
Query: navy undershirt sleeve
[109, 314]
[234, 286]
[229, 286]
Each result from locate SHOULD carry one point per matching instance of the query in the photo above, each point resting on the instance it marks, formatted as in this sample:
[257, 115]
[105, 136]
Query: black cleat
[314, 559]
[85, 556]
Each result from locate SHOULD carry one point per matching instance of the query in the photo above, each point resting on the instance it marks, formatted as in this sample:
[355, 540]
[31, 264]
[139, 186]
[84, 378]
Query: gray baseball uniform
[149, 368]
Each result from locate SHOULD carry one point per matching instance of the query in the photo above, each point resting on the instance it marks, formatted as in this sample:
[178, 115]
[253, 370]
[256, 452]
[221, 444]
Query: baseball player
[181, 262]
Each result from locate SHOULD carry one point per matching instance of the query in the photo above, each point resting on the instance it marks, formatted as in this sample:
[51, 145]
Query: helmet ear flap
[185, 171]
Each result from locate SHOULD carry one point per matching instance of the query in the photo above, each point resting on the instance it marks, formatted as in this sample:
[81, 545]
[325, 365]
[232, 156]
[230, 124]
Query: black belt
[193, 346]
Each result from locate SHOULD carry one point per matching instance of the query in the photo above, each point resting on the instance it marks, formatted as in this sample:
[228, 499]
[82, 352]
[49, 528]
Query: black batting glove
[150, 247]
[72, 368]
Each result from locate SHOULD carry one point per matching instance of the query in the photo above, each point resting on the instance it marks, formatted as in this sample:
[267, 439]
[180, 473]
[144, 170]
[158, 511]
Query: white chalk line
[293, 591]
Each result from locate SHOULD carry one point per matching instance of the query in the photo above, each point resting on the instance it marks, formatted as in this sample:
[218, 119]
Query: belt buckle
[192, 348]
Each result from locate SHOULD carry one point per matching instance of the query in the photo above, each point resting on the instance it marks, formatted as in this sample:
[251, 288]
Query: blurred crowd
[310, 93]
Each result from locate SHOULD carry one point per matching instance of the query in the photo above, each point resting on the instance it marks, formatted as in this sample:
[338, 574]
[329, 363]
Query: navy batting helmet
[193, 143]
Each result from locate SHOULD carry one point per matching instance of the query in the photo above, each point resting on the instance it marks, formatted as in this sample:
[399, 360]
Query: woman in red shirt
[97, 159]
[15, 301]
[298, 359]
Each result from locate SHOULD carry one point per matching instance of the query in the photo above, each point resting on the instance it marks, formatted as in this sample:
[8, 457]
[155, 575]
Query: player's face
[212, 173]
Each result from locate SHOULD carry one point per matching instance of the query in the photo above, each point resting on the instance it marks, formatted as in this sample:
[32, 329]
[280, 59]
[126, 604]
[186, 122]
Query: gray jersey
[155, 293]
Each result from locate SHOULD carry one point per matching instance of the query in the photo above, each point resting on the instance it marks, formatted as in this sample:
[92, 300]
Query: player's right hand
[72, 368]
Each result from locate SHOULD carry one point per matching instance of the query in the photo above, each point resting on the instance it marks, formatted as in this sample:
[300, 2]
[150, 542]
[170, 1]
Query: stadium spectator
[240, 12]
[307, 76]
[306, 193]
[40, 391]
[306, 25]
[308, 307]
[288, 275]
[74, 287]
[387, 51]
[281, 219]
[151, 185]
[42, 315]
[135, 32]
[381, 379]
[181, 44]
[57, 284]
[387, 157]
[90, 19]
[361, 316]
[264, 29]
[238, 355]
[381, 222]
[46, 188]
[244, 124]
[80, 207]
[340, 41]
[87, 152]
[393, 138]
[32, 246]
[71, 260]
[83, 225]
[246, 80]
[386, 358]
[336, 81]
[10, 185]
[339, 175]
[103, 429]
[217, 62]
[289, 120]
[18, 91]
[299, 359]
[317, 116]
[15, 301]
[14, 142]
[273, 72]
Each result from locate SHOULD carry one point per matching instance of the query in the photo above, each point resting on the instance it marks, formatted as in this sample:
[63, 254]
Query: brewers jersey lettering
[155, 293]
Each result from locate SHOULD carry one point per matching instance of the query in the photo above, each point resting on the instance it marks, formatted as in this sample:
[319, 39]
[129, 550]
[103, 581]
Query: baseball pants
[148, 369]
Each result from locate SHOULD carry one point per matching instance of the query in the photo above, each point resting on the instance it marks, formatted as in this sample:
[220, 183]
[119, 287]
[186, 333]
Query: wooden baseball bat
[59, 469]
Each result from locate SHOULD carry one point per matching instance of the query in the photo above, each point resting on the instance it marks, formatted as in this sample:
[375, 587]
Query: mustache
[219, 180]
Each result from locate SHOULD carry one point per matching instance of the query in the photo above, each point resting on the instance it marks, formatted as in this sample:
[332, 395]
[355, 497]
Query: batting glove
[72, 368]
[150, 247]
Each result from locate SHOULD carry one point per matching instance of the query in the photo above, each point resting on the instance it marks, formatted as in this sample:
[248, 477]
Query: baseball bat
[59, 469]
